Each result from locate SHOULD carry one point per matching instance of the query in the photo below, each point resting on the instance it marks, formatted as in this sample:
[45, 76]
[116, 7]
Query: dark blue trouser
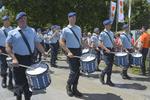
[108, 58]
[54, 52]
[74, 65]
[4, 65]
[144, 52]
[98, 56]
[21, 83]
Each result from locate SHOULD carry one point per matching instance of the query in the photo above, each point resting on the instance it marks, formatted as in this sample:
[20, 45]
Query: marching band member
[21, 53]
[127, 45]
[107, 44]
[53, 37]
[41, 37]
[145, 45]
[3, 35]
[70, 41]
[95, 45]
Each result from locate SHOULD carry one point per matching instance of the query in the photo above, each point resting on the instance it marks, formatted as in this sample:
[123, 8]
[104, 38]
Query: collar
[3, 28]
[94, 34]
[24, 29]
[70, 26]
[107, 30]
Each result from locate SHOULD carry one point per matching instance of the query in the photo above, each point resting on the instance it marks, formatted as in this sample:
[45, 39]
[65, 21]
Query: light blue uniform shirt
[3, 36]
[105, 38]
[55, 38]
[67, 34]
[16, 40]
[95, 39]
[126, 41]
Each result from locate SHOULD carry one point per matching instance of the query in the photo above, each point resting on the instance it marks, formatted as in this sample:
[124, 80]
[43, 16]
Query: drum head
[85, 50]
[88, 57]
[120, 54]
[37, 69]
[8, 58]
[136, 54]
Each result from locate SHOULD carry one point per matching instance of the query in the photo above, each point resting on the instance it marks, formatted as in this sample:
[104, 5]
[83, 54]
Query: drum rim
[136, 53]
[121, 55]
[38, 74]
[86, 54]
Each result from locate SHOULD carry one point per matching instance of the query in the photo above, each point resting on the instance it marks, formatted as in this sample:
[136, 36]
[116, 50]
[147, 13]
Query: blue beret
[4, 18]
[107, 22]
[125, 26]
[72, 14]
[96, 30]
[55, 27]
[20, 14]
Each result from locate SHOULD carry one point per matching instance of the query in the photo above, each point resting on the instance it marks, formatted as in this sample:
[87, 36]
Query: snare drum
[86, 50]
[121, 59]
[136, 59]
[38, 76]
[88, 63]
[9, 61]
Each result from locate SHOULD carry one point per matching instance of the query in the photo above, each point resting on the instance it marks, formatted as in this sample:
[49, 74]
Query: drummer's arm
[40, 48]
[11, 54]
[63, 45]
[9, 50]
[103, 47]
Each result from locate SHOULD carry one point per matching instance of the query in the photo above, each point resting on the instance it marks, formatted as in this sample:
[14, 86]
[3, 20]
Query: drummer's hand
[107, 51]
[0, 51]
[15, 63]
[97, 49]
[70, 55]
[126, 51]
[45, 54]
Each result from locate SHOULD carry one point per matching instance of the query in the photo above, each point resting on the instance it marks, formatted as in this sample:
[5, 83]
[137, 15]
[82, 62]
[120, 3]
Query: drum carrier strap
[5, 33]
[26, 42]
[109, 38]
[75, 36]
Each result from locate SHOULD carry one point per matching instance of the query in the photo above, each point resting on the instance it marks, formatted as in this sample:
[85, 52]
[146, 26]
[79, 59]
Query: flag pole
[117, 16]
[129, 14]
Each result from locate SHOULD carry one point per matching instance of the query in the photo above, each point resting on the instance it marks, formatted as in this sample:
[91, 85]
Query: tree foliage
[90, 13]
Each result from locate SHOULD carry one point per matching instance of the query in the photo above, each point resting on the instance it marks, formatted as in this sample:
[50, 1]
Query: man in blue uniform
[107, 44]
[70, 41]
[127, 46]
[3, 35]
[95, 44]
[21, 53]
[53, 37]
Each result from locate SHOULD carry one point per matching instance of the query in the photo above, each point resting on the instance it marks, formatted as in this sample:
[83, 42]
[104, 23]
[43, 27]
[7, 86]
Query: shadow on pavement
[147, 79]
[135, 86]
[63, 67]
[91, 75]
[108, 96]
[36, 92]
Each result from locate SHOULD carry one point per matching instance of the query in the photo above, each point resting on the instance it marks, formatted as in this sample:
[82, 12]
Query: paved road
[136, 89]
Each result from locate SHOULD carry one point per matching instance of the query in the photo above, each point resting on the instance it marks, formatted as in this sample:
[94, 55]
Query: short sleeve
[63, 35]
[36, 37]
[9, 38]
[101, 37]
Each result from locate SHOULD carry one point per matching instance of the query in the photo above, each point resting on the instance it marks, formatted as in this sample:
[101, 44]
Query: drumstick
[48, 51]
[25, 66]
[19, 64]
[77, 57]
[5, 54]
